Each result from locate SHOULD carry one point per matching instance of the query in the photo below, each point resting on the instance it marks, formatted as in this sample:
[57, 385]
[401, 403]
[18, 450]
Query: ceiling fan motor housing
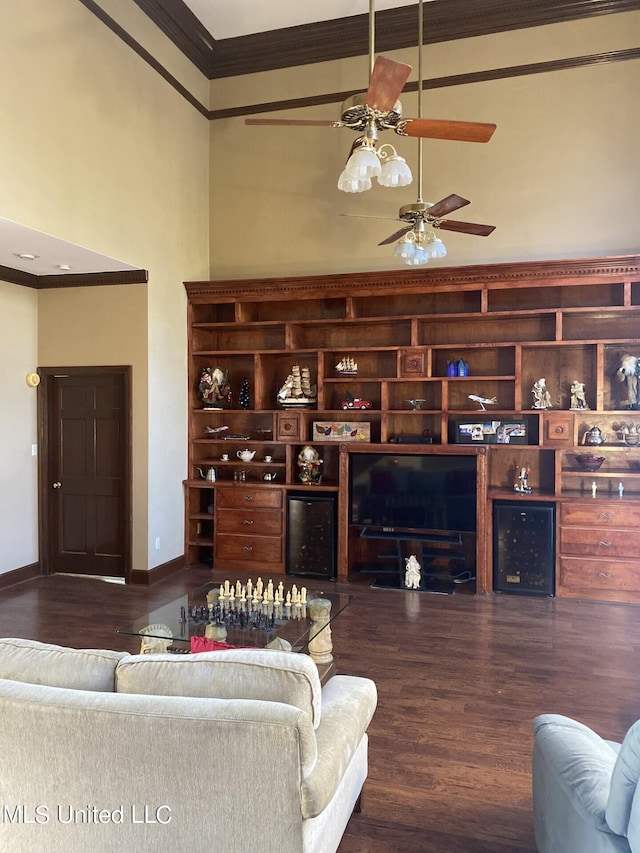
[355, 114]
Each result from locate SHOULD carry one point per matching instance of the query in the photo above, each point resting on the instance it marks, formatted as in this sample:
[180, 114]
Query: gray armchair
[585, 788]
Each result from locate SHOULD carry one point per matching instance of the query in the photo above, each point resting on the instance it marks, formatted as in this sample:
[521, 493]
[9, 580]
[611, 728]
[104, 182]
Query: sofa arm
[348, 704]
[572, 769]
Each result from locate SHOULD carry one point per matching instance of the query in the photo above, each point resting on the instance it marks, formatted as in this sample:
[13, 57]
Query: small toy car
[356, 403]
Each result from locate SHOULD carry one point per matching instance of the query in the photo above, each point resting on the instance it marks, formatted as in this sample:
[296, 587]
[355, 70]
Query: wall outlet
[157, 543]
[34, 449]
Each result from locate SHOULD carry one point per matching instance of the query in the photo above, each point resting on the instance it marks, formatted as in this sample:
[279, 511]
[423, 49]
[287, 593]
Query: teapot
[269, 476]
[246, 455]
[594, 436]
[210, 475]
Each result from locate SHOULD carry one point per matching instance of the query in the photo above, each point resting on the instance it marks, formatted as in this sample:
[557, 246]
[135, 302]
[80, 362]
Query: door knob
[57, 485]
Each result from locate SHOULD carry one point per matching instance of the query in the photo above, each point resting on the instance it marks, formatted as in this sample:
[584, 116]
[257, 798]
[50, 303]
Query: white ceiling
[50, 253]
[230, 18]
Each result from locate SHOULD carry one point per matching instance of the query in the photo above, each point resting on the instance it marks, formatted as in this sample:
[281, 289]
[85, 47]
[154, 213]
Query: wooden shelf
[511, 323]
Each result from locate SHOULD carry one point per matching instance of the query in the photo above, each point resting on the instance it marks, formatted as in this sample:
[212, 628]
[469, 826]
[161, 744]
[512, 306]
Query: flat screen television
[413, 492]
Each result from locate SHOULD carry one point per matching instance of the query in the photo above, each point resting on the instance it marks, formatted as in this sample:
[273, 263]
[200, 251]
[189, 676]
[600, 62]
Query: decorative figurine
[541, 395]
[578, 399]
[413, 573]
[297, 389]
[629, 371]
[213, 387]
[347, 366]
[522, 484]
[484, 401]
[310, 466]
[416, 404]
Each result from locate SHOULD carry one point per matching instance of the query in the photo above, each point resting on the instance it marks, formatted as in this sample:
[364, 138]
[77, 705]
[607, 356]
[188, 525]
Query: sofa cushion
[624, 781]
[257, 674]
[57, 666]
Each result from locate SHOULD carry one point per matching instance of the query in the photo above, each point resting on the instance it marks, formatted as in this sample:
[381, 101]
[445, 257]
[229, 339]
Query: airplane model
[416, 404]
[489, 401]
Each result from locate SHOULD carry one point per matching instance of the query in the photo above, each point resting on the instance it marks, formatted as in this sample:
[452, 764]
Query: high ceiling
[224, 38]
[226, 19]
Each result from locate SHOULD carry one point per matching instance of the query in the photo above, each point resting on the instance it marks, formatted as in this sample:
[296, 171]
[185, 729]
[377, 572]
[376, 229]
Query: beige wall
[18, 432]
[99, 150]
[559, 178]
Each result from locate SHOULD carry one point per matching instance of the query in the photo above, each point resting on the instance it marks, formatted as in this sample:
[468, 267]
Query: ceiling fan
[417, 243]
[379, 109]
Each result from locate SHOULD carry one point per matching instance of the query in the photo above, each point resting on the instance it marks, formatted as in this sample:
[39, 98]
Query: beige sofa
[228, 751]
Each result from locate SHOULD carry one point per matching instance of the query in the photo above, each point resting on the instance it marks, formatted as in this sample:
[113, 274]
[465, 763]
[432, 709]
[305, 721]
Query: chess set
[247, 607]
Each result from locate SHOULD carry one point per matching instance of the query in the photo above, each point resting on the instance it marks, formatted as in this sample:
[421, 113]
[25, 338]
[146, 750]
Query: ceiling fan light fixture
[395, 172]
[434, 247]
[349, 184]
[419, 258]
[363, 163]
[405, 248]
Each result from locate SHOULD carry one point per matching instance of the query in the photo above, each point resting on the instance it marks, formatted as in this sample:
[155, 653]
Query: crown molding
[444, 20]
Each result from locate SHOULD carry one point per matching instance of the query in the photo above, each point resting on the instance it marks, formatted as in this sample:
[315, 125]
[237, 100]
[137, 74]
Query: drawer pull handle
[604, 574]
[559, 430]
[603, 544]
[605, 515]
[247, 497]
[248, 521]
[247, 547]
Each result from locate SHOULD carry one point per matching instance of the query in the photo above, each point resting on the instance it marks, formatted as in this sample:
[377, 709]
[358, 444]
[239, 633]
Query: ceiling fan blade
[397, 235]
[433, 128]
[293, 121]
[467, 227]
[447, 205]
[386, 83]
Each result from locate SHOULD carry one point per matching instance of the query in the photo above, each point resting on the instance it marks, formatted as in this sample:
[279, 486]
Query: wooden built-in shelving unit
[511, 323]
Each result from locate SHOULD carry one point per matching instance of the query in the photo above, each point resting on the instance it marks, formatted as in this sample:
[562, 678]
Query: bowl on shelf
[589, 461]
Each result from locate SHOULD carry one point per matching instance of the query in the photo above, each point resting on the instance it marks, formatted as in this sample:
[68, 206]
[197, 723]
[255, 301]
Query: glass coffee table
[204, 612]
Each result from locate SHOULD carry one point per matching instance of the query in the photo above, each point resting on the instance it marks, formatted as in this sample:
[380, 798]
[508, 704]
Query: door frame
[47, 374]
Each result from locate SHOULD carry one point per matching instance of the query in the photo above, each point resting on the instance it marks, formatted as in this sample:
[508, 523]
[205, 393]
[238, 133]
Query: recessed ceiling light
[26, 256]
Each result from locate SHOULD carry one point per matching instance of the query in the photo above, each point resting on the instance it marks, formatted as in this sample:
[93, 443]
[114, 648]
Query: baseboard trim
[24, 573]
[157, 573]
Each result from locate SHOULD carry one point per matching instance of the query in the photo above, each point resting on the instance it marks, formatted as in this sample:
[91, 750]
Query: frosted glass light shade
[438, 248]
[419, 258]
[363, 163]
[405, 248]
[349, 184]
[395, 173]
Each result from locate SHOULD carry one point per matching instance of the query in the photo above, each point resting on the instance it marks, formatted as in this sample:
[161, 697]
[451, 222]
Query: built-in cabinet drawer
[264, 522]
[599, 575]
[236, 497]
[600, 514]
[250, 549]
[599, 542]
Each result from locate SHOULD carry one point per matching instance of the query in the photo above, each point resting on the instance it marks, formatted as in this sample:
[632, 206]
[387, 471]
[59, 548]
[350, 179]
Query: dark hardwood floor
[459, 679]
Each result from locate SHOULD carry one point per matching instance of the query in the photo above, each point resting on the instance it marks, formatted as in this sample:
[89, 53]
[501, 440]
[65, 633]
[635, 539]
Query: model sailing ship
[347, 366]
[297, 389]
